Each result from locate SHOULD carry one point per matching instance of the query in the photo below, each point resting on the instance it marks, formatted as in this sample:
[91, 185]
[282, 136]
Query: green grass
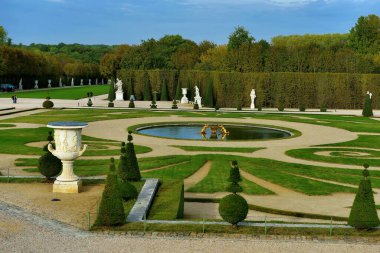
[338, 155]
[7, 125]
[363, 141]
[217, 180]
[166, 203]
[13, 141]
[60, 93]
[178, 171]
[218, 149]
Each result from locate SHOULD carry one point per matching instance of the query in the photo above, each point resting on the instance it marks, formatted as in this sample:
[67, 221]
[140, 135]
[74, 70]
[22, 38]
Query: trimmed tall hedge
[332, 90]
[363, 213]
[111, 209]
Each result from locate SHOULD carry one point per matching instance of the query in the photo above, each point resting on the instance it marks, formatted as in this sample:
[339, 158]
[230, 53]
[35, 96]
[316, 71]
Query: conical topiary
[122, 168]
[131, 104]
[234, 178]
[147, 91]
[164, 91]
[133, 170]
[363, 213]
[367, 110]
[48, 164]
[111, 209]
[209, 99]
[178, 92]
[127, 190]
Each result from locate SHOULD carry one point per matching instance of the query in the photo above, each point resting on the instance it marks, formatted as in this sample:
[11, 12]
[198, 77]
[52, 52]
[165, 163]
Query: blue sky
[130, 21]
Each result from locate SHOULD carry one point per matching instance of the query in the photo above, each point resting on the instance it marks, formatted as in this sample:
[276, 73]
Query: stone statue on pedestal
[119, 91]
[198, 98]
[253, 97]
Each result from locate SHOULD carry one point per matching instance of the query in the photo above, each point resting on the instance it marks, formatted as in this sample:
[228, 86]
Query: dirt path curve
[197, 176]
[274, 149]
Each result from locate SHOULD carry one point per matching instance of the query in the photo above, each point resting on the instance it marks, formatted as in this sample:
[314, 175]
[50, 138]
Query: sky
[114, 22]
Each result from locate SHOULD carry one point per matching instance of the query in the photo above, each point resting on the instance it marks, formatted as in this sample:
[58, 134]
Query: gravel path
[24, 232]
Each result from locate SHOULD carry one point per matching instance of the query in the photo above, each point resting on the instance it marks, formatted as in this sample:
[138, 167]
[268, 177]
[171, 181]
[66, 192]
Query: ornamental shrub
[153, 105]
[164, 91]
[174, 106]
[196, 106]
[234, 178]
[363, 213]
[89, 103]
[122, 168]
[127, 190]
[111, 104]
[47, 104]
[178, 92]
[131, 104]
[233, 208]
[133, 170]
[48, 164]
[209, 99]
[367, 110]
[302, 108]
[111, 209]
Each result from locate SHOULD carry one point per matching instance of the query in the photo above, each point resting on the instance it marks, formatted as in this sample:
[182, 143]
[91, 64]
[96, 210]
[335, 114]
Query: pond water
[194, 132]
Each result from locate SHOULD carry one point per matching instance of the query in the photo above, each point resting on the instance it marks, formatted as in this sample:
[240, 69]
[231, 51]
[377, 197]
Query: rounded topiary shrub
[47, 104]
[89, 103]
[49, 165]
[302, 108]
[233, 208]
[127, 190]
[174, 106]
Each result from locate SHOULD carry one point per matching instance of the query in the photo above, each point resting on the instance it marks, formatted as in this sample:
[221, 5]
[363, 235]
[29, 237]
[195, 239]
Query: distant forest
[358, 51]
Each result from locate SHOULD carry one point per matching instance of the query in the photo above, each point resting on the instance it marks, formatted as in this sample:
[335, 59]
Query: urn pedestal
[119, 96]
[184, 99]
[67, 138]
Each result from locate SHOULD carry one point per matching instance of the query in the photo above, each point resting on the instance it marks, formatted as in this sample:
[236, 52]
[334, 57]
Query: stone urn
[184, 99]
[67, 137]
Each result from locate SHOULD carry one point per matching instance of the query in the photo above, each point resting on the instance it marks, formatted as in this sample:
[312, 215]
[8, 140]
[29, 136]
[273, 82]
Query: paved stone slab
[144, 200]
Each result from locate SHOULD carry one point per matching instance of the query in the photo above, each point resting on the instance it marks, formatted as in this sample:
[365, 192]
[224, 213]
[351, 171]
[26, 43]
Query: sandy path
[36, 198]
[197, 176]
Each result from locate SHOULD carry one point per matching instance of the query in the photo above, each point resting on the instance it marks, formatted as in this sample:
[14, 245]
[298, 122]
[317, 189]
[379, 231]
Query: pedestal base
[199, 101]
[119, 96]
[184, 100]
[67, 187]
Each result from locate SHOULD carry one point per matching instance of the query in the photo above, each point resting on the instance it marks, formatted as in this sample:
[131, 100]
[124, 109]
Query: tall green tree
[239, 37]
[365, 35]
[3, 35]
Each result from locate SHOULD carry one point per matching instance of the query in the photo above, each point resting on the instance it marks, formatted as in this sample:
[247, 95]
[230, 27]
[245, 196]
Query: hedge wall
[336, 90]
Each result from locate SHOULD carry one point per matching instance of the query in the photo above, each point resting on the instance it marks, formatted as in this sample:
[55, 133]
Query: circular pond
[228, 132]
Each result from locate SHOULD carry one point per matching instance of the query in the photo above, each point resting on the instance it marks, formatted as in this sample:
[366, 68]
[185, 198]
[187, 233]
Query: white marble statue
[89, 81]
[253, 97]
[81, 82]
[119, 91]
[197, 98]
[72, 81]
[20, 84]
[369, 94]
[60, 82]
[36, 84]
[49, 83]
[96, 81]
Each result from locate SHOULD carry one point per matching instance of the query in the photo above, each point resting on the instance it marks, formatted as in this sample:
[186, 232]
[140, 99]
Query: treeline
[230, 89]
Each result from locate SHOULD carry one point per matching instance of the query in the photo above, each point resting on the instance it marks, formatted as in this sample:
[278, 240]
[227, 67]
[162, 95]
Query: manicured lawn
[167, 203]
[218, 149]
[13, 141]
[60, 93]
[363, 141]
[178, 171]
[338, 155]
[7, 125]
[217, 180]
